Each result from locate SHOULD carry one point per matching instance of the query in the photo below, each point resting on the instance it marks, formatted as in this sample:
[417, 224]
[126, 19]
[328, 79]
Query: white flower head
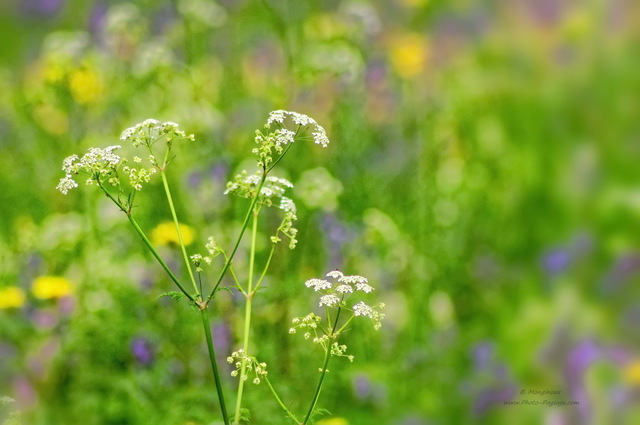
[336, 274]
[318, 284]
[329, 300]
[66, 184]
[344, 288]
[361, 309]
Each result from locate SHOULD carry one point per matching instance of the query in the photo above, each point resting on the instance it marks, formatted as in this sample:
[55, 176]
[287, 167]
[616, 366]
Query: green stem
[327, 356]
[286, 410]
[266, 267]
[175, 220]
[247, 316]
[235, 248]
[214, 365]
[280, 157]
[166, 268]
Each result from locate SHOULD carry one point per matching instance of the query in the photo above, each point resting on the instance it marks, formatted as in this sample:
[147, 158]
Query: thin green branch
[247, 316]
[214, 365]
[327, 356]
[146, 241]
[285, 408]
[166, 268]
[266, 267]
[235, 248]
[185, 257]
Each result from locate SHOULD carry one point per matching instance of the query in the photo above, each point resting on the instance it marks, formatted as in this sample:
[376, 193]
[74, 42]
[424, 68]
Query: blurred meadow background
[482, 172]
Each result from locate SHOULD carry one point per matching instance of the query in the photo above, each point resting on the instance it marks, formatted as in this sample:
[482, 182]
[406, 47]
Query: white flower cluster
[151, 130]
[246, 186]
[279, 138]
[334, 294]
[212, 248]
[250, 364]
[310, 324]
[286, 227]
[319, 134]
[98, 164]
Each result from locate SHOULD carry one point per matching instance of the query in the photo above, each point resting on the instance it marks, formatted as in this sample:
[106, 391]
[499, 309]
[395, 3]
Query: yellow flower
[11, 297]
[165, 234]
[333, 421]
[408, 54]
[631, 373]
[48, 287]
[86, 86]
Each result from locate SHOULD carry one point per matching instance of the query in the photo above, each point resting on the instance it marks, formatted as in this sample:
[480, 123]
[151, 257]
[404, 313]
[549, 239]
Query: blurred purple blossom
[557, 260]
[362, 387]
[336, 236]
[581, 357]
[97, 18]
[221, 335]
[492, 396]
[142, 351]
[44, 8]
[482, 354]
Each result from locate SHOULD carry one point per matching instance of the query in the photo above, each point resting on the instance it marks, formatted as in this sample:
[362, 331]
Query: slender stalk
[166, 268]
[247, 315]
[175, 220]
[235, 248]
[285, 408]
[266, 267]
[327, 356]
[214, 365]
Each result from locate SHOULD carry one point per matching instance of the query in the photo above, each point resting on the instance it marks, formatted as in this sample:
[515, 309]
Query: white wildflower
[364, 287]
[361, 309]
[335, 274]
[355, 279]
[318, 284]
[343, 288]
[66, 184]
[329, 300]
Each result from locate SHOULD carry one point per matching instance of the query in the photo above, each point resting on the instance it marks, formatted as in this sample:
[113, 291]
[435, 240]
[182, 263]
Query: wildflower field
[343, 212]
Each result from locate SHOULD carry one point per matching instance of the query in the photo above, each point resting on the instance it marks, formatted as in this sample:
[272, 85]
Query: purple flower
[493, 396]
[362, 387]
[221, 335]
[142, 351]
[482, 355]
[556, 261]
[43, 8]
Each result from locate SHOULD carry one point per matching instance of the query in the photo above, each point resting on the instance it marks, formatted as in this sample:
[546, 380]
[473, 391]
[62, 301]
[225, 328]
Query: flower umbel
[278, 137]
[250, 364]
[335, 295]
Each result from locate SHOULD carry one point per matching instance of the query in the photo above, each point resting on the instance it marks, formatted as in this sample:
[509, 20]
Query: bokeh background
[483, 173]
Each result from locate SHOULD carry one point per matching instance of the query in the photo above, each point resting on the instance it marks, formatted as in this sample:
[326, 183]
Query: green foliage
[481, 173]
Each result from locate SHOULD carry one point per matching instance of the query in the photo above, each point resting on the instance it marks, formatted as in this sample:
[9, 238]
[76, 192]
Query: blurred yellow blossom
[631, 373]
[333, 421]
[86, 86]
[165, 234]
[11, 297]
[47, 287]
[408, 54]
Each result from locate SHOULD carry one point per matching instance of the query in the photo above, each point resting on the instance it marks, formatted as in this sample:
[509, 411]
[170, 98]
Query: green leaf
[175, 295]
